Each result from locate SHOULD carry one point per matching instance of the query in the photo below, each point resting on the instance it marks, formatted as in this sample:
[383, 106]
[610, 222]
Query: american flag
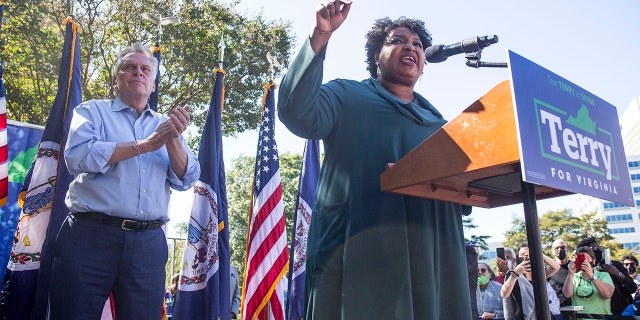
[4, 152]
[267, 258]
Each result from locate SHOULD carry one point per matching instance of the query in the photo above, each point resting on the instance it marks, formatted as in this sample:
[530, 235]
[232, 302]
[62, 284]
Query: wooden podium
[474, 159]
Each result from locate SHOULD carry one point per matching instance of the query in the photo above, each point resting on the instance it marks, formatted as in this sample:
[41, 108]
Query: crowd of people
[601, 288]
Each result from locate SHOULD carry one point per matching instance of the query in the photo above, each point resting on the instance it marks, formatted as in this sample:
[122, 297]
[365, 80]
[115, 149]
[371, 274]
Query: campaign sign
[569, 138]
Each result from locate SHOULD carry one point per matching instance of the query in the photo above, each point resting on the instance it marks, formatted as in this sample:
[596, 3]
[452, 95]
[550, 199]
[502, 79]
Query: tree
[563, 224]
[190, 53]
[467, 223]
[30, 70]
[176, 251]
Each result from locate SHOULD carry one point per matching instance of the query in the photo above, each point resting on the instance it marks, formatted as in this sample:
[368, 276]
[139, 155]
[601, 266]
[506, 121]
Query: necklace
[584, 289]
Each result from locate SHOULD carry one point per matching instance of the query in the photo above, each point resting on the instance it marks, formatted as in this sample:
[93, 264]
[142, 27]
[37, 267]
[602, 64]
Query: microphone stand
[473, 60]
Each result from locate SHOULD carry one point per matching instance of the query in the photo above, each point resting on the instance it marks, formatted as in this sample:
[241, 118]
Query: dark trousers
[93, 259]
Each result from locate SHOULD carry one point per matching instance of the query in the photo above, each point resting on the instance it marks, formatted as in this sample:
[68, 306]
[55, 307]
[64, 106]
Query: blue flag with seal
[28, 276]
[302, 220]
[23, 148]
[204, 289]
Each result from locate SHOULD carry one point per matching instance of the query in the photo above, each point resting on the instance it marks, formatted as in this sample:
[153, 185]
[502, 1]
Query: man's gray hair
[513, 253]
[136, 47]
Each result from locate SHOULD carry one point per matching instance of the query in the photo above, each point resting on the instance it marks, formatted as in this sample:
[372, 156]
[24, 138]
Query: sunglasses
[482, 270]
[626, 264]
[597, 248]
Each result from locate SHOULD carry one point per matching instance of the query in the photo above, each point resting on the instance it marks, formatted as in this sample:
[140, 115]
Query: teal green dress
[371, 254]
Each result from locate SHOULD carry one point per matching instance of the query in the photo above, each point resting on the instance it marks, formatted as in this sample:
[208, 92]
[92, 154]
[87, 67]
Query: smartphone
[607, 256]
[500, 253]
[579, 260]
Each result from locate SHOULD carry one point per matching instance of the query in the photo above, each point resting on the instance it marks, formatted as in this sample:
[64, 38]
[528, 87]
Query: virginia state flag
[204, 279]
[29, 267]
[301, 222]
[23, 148]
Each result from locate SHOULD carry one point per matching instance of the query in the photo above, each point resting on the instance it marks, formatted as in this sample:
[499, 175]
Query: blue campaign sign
[569, 138]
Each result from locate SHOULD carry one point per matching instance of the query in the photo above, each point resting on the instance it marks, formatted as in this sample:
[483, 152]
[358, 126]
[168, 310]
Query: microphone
[438, 53]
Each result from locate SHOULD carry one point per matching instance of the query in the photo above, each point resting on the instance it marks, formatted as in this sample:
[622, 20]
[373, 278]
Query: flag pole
[222, 45]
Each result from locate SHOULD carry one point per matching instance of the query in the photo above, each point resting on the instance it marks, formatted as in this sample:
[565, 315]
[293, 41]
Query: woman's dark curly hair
[379, 32]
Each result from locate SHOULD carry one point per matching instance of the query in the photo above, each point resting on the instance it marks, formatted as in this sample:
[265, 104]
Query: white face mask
[509, 264]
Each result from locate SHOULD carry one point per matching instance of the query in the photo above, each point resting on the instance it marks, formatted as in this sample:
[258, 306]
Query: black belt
[122, 223]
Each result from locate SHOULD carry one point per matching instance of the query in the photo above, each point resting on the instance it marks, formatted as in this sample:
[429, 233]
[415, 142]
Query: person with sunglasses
[588, 287]
[490, 304]
[623, 285]
[630, 262]
[556, 280]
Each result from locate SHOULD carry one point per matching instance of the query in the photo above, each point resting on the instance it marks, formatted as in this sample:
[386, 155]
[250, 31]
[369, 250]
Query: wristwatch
[595, 277]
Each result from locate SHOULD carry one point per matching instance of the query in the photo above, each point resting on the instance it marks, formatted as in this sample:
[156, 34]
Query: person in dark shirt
[557, 279]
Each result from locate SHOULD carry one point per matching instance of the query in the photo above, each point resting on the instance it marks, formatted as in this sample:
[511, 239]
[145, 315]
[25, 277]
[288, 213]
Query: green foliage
[176, 250]
[30, 70]
[32, 46]
[563, 224]
[481, 240]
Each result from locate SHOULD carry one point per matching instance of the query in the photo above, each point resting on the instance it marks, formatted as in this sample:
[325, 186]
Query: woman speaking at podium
[373, 255]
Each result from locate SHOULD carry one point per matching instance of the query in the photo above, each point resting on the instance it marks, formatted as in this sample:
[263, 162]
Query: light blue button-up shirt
[136, 188]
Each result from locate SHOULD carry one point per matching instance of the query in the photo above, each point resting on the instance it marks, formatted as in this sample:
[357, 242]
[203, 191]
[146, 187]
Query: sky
[594, 44]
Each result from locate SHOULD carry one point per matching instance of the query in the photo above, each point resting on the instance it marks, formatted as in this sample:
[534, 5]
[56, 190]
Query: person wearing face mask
[630, 262]
[505, 265]
[517, 291]
[587, 286]
[490, 302]
[624, 286]
[556, 281]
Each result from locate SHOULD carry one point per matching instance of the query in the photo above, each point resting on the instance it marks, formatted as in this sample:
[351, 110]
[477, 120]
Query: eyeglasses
[482, 270]
[560, 248]
[626, 264]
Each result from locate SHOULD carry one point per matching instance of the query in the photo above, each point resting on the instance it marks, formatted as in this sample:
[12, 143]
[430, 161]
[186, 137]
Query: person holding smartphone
[505, 261]
[586, 286]
[623, 285]
[517, 291]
